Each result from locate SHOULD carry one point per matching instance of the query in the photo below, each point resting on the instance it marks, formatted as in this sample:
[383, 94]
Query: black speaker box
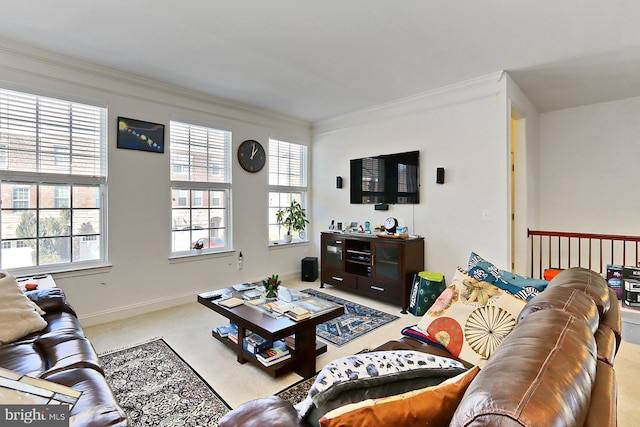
[439, 175]
[309, 269]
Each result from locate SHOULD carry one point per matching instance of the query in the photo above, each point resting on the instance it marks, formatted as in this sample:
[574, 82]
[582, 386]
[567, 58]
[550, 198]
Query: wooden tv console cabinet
[378, 267]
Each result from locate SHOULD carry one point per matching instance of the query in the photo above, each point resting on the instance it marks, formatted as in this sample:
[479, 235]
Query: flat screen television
[388, 178]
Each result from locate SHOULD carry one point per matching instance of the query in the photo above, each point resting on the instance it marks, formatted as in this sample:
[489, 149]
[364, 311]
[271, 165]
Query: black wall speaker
[338, 182]
[309, 269]
[439, 175]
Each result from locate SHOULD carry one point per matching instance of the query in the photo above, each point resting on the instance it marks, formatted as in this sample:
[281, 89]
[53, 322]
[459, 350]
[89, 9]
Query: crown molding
[477, 88]
[38, 63]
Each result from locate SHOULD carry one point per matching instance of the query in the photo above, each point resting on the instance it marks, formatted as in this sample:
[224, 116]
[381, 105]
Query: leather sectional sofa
[62, 354]
[555, 368]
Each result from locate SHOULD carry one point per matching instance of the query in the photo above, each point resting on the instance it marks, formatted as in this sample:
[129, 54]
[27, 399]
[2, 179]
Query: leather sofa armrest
[51, 300]
[270, 411]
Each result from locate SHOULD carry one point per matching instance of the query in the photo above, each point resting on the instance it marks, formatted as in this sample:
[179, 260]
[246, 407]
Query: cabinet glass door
[333, 253]
[387, 261]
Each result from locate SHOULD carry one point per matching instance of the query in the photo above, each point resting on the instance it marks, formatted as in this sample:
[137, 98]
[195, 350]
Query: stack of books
[252, 294]
[290, 341]
[225, 330]
[233, 336]
[276, 354]
[255, 344]
[279, 306]
[297, 313]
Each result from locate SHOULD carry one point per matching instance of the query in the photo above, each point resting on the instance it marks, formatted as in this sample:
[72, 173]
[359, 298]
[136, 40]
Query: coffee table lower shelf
[273, 370]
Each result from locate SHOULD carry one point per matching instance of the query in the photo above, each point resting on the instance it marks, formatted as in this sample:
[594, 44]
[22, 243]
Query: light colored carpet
[187, 329]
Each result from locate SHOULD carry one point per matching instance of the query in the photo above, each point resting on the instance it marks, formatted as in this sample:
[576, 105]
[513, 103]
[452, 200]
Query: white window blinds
[44, 135]
[200, 154]
[287, 164]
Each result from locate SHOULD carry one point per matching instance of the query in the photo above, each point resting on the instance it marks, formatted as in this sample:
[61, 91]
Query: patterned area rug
[156, 387]
[357, 320]
[297, 392]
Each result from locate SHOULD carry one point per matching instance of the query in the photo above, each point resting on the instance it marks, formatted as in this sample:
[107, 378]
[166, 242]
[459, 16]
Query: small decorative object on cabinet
[377, 267]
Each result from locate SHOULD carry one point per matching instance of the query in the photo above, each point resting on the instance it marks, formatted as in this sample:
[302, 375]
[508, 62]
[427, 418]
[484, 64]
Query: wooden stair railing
[553, 249]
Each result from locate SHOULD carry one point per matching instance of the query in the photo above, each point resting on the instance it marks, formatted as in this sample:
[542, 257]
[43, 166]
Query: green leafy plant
[271, 285]
[293, 217]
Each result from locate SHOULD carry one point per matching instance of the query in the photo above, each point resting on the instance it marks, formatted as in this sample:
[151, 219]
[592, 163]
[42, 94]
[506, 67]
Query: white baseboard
[134, 310]
[149, 306]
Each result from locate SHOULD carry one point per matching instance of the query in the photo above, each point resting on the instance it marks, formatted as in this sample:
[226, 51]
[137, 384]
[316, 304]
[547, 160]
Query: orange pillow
[433, 406]
[550, 273]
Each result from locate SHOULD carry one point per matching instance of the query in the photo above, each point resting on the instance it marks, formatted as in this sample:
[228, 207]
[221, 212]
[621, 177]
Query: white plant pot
[287, 238]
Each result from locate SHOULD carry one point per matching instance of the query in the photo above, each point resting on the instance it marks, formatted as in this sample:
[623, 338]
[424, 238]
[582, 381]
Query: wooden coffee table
[303, 358]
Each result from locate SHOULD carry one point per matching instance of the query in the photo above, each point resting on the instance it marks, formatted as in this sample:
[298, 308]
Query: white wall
[589, 168]
[462, 128]
[141, 276]
[527, 173]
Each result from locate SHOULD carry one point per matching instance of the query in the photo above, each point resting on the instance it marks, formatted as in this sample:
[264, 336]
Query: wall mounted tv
[389, 178]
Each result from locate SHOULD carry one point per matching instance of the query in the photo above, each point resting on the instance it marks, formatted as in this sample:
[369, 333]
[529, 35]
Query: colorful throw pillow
[432, 406]
[372, 375]
[18, 316]
[520, 286]
[471, 317]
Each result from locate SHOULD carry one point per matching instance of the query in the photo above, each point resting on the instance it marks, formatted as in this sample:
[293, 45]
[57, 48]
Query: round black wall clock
[251, 156]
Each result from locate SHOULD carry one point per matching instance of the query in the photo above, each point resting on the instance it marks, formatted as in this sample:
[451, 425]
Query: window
[20, 198]
[287, 182]
[200, 187]
[62, 196]
[54, 153]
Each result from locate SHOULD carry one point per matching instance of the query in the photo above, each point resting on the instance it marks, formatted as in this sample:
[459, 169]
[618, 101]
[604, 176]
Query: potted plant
[293, 217]
[271, 285]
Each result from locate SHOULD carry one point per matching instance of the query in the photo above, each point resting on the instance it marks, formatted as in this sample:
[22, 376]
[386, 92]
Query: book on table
[231, 302]
[244, 287]
[279, 306]
[315, 305]
[297, 313]
[275, 361]
[225, 330]
[275, 354]
[251, 295]
[278, 349]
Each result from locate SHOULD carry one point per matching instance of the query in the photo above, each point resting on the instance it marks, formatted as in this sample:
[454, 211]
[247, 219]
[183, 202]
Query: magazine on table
[315, 305]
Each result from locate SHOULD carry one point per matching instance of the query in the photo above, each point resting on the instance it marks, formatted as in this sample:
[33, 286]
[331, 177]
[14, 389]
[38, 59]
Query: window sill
[194, 256]
[280, 244]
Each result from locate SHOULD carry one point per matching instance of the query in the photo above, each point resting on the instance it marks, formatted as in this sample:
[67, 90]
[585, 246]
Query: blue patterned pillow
[521, 287]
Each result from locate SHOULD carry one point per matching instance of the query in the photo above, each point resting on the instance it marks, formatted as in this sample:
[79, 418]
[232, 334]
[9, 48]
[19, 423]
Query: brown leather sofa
[62, 354]
[554, 369]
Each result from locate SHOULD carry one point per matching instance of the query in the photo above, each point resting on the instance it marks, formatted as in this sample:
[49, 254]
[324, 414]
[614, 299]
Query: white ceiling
[320, 59]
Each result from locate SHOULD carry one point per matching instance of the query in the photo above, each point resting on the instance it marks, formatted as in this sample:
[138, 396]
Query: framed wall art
[138, 135]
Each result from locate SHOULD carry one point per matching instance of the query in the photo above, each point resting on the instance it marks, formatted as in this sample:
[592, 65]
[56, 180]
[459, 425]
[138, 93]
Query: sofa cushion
[432, 406]
[612, 319]
[94, 388]
[606, 344]
[270, 411]
[51, 300]
[587, 281]
[18, 315]
[569, 300]
[22, 357]
[604, 396]
[541, 375]
[471, 318]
